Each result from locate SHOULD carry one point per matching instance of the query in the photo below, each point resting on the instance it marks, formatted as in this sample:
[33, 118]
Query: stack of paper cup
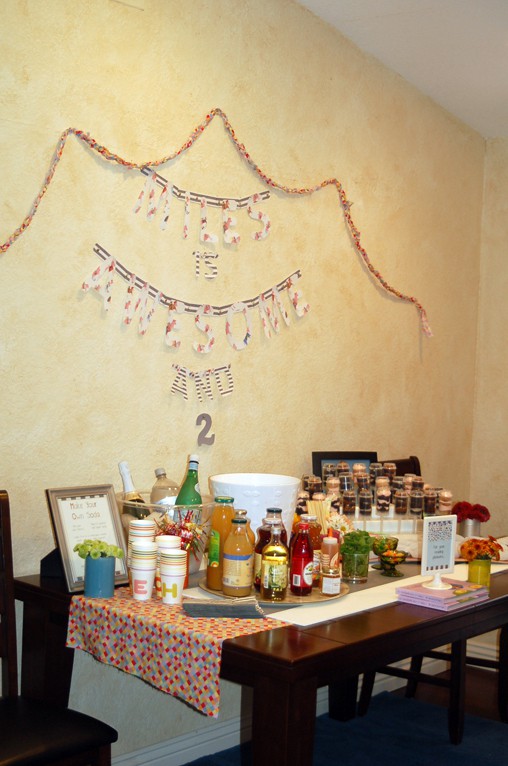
[141, 554]
[142, 569]
[164, 543]
[173, 570]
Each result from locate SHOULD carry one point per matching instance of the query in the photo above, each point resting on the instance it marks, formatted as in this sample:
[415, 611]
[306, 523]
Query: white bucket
[256, 492]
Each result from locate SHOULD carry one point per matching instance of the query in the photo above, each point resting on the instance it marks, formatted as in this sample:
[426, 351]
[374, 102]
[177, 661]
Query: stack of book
[460, 595]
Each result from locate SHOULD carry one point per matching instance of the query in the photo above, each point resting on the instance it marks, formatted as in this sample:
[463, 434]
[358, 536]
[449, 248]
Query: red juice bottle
[302, 559]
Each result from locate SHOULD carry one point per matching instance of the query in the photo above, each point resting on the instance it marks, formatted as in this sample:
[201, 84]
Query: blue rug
[394, 731]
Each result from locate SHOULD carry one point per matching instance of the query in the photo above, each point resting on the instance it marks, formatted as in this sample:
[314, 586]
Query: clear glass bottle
[222, 516]
[276, 515]
[189, 493]
[274, 566]
[131, 494]
[241, 513]
[315, 541]
[165, 490]
[264, 534]
[238, 561]
[329, 552]
[300, 578]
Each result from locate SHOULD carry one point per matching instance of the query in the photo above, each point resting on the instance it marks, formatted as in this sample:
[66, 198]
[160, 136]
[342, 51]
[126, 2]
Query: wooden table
[284, 666]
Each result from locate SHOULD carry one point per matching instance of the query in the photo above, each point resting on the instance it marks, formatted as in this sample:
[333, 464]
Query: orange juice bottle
[220, 528]
[238, 561]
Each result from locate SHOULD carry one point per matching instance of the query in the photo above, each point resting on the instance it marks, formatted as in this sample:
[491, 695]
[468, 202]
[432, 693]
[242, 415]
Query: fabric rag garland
[110, 156]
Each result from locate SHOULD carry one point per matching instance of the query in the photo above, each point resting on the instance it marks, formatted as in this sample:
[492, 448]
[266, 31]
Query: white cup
[143, 546]
[168, 541]
[142, 526]
[142, 579]
[172, 585]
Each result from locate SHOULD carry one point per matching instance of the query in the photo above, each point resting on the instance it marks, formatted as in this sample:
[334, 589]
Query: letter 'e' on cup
[142, 582]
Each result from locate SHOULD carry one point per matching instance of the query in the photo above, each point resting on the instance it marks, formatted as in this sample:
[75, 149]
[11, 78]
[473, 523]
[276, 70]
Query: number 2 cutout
[203, 437]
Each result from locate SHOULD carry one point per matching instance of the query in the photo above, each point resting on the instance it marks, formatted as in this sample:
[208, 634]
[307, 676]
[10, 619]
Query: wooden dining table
[286, 665]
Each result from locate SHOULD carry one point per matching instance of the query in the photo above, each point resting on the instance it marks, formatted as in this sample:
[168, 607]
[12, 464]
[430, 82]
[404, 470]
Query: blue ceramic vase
[100, 577]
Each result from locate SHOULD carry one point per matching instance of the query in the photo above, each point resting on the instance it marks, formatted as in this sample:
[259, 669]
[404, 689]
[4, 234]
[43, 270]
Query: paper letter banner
[228, 204]
[143, 298]
[228, 221]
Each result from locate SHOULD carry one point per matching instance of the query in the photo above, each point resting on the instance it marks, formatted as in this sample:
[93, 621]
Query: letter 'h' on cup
[172, 586]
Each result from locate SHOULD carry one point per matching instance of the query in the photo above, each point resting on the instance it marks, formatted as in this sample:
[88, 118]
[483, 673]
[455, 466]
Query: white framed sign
[82, 513]
[438, 548]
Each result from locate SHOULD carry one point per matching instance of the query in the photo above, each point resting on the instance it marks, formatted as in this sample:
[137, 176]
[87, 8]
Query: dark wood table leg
[342, 699]
[283, 719]
[46, 663]
[414, 667]
[502, 678]
[457, 691]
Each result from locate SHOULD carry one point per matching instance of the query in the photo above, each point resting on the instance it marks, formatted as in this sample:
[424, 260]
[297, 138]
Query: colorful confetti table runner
[177, 654]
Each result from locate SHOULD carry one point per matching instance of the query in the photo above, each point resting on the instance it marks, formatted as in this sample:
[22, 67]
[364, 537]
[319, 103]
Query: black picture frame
[319, 459]
[78, 513]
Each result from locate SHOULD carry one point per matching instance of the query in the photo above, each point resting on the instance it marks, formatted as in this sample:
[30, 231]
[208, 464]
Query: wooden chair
[455, 683]
[34, 732]
[457, 657]
[406, 465]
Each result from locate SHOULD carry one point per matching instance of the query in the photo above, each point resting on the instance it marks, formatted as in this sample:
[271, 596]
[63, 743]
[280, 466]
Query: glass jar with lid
[400, 502]
[349, 502]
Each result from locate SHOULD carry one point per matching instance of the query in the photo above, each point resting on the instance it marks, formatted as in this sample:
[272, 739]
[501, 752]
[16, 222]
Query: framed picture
[320, 459]
[438, 548]
[81, 513]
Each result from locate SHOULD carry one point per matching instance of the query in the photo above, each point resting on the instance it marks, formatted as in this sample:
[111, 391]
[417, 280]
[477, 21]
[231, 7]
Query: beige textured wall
[489, 452]
[80, 391]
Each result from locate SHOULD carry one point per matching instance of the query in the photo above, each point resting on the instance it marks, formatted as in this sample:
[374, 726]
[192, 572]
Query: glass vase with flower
[479, 553]
[470, 517]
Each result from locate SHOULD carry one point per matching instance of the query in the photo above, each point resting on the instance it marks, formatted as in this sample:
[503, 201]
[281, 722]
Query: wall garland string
[110, 156]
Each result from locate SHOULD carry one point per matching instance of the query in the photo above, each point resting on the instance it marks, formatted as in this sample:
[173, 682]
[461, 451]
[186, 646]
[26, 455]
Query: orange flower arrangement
[480, 548]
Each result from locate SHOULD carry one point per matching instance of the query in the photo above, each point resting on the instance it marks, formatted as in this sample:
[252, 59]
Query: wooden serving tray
[314, 597]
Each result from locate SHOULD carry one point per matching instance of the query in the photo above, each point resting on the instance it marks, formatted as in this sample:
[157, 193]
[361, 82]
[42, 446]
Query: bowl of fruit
[390, 559]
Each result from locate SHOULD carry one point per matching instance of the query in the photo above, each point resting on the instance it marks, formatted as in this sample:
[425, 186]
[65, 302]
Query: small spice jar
[330, 582]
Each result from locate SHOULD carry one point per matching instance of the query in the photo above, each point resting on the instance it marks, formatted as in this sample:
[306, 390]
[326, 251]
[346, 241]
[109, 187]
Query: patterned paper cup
[172, 586]
[142, 579]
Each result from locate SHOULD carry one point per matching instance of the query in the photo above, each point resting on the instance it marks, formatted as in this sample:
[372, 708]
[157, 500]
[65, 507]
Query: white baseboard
[219, 736]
